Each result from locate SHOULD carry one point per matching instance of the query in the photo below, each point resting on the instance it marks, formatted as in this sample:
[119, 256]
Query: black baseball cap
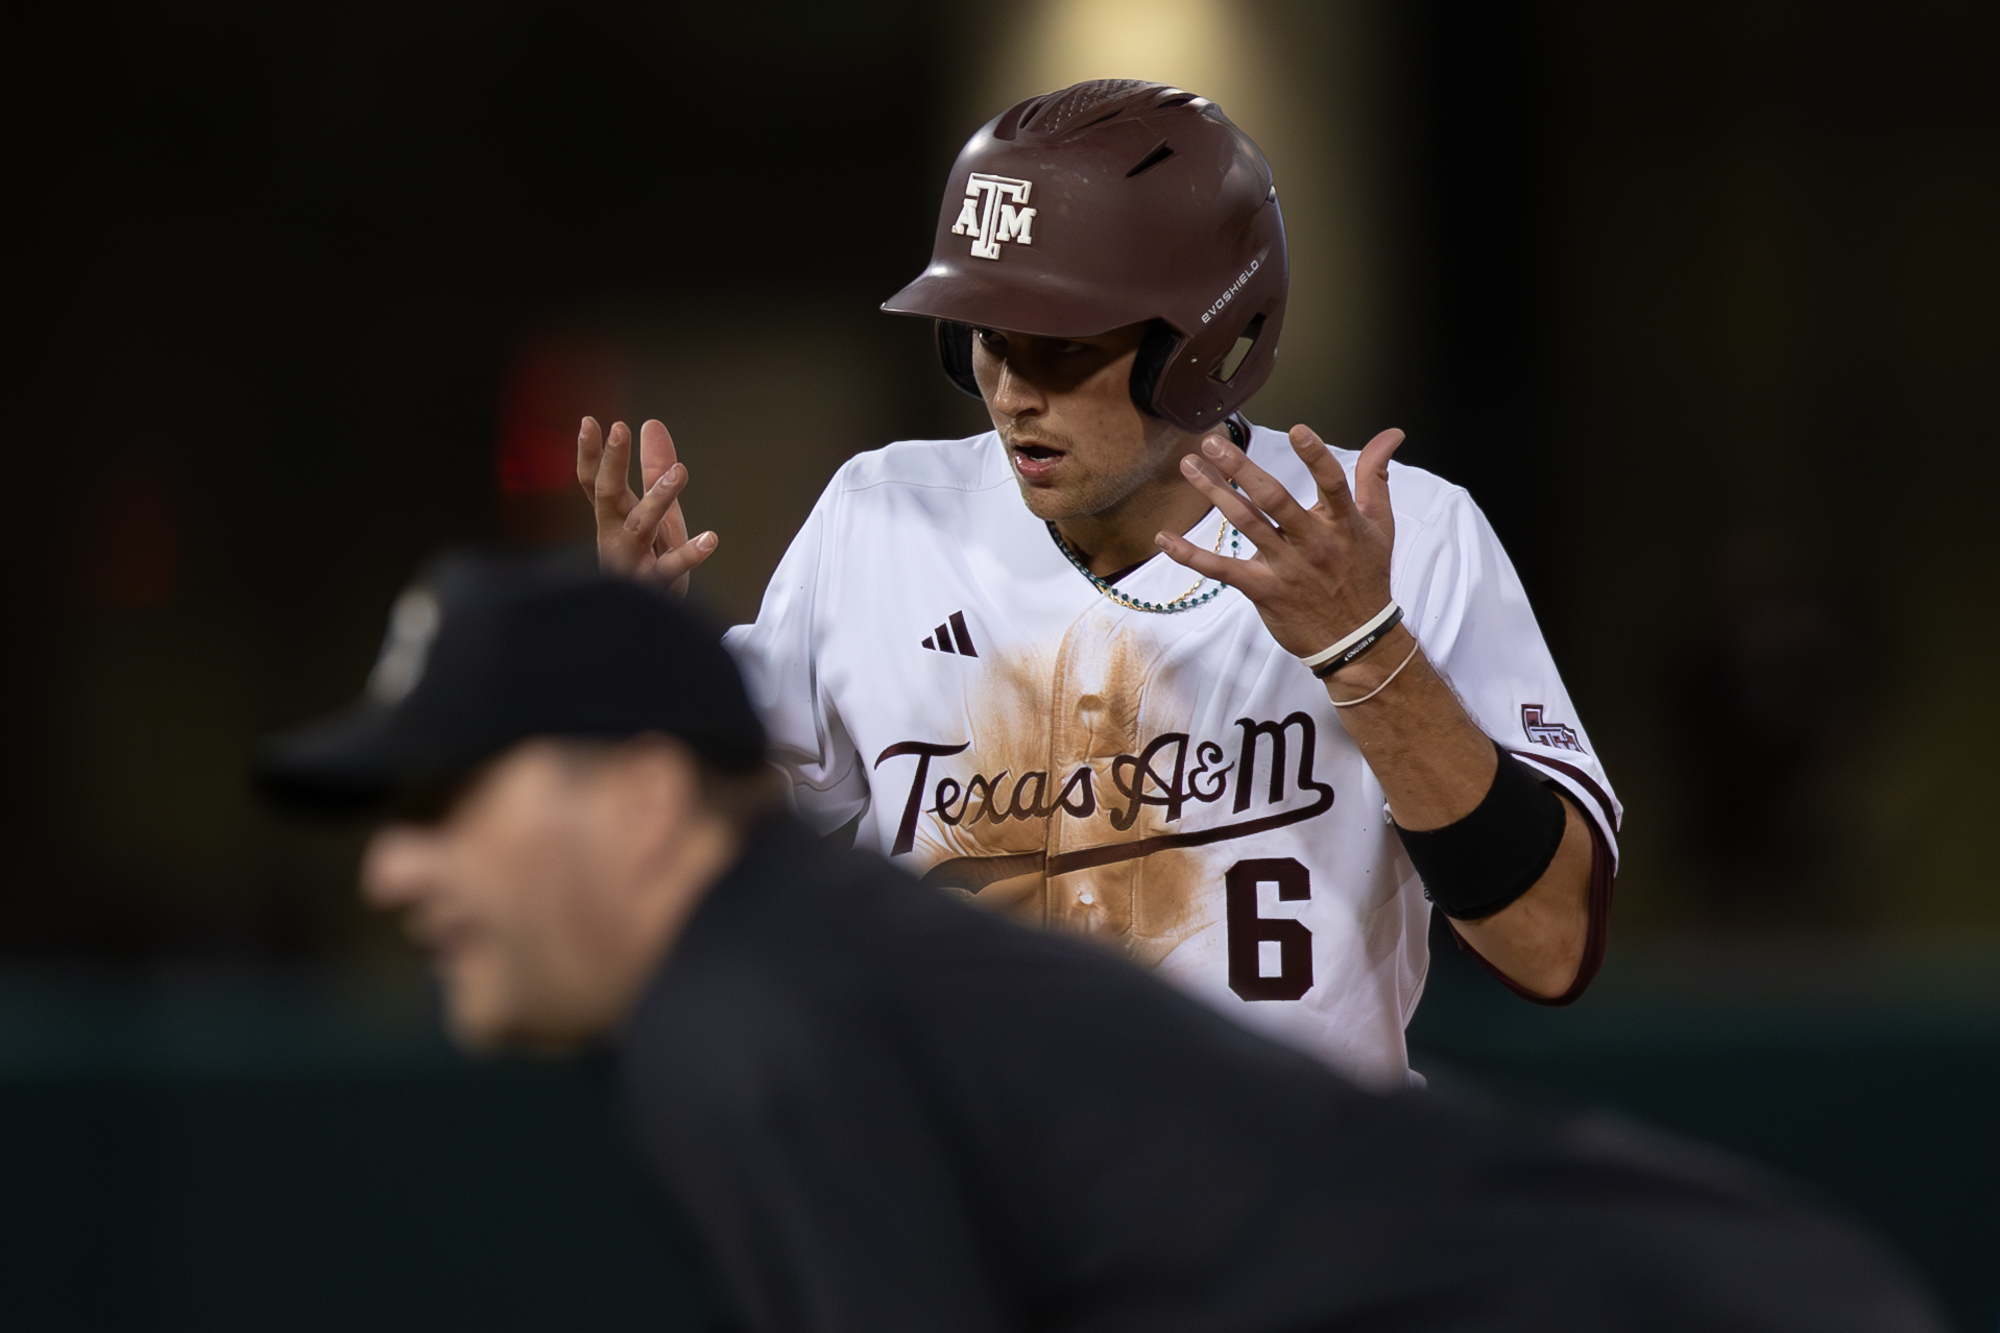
[487, 650]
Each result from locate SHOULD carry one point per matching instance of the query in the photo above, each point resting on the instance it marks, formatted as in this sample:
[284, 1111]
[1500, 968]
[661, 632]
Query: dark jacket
[889, 1111]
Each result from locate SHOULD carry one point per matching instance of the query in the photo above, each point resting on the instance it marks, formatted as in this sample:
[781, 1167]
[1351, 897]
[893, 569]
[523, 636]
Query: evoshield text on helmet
[1106, 204]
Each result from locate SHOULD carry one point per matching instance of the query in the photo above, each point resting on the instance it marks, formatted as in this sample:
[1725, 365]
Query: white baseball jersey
[928, 660]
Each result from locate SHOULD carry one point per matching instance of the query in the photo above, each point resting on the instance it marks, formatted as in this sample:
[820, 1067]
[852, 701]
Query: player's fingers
[672, 529]
[657, 455]
[1371, 479]
[1223, 569]
[589, 451]
[679, 562]
[1249, 520]
[1264, 490]
[656, 452]
[1326, 470]
[645, 518]
[613, 491]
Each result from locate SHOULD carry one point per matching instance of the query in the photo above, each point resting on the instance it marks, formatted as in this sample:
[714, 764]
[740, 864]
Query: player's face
[523, 894]
[1063, 407]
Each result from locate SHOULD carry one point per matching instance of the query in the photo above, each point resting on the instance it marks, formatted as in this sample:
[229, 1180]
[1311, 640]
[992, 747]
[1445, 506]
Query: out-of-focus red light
[138, 567]
[551, 387]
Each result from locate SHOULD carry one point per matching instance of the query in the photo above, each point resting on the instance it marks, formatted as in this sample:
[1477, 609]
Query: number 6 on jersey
[1254, 939]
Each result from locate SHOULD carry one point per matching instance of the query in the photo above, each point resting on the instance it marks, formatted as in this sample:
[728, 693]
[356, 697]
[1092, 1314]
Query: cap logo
[993, 212]
[413, 624]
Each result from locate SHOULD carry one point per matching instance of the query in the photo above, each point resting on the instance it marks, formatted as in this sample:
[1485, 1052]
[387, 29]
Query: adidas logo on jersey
[952, 637]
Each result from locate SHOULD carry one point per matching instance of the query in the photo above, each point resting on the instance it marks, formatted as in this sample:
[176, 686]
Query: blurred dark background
[1701, 301]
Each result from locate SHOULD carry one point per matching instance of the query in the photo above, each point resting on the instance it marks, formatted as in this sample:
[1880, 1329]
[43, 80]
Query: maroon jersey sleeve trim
[1577, 775]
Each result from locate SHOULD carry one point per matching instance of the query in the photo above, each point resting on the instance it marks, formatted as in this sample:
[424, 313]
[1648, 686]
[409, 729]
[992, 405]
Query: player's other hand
[642, 536]
[1319, 572]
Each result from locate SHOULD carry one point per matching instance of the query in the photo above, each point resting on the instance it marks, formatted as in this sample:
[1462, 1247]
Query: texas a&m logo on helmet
[993, 212]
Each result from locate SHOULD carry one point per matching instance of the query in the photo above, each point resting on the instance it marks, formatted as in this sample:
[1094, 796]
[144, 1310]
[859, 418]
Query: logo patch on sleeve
[1543, 732]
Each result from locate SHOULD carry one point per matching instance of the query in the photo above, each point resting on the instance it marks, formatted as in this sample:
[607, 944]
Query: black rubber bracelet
[1478, 865]
[1353, 655]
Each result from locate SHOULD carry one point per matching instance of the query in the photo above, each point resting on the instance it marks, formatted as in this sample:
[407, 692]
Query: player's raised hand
[1319, 572]
[642, 536]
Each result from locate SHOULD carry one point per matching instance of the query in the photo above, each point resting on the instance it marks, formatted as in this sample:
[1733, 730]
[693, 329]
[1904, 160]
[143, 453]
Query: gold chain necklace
[1180, 603]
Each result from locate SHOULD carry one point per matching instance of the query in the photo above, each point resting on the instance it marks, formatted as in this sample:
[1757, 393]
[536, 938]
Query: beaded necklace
[1187, 601]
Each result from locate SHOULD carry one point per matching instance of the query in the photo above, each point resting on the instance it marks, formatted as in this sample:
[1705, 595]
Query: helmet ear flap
[1149, 365]
[954, 342]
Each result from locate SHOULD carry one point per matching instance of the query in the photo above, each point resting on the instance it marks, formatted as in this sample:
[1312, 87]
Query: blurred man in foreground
[886, 1110]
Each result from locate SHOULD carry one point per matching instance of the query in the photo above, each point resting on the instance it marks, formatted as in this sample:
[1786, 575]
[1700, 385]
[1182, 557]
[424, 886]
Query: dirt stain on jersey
[994, 822]
[1051, 752]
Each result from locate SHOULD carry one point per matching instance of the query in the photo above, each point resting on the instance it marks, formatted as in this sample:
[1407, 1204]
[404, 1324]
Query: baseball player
[1240, 704]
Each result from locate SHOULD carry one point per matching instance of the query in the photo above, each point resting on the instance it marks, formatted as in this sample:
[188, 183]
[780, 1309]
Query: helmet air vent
[1017, 119]
[1089, 103]
[1226, 369]
[1161, 152]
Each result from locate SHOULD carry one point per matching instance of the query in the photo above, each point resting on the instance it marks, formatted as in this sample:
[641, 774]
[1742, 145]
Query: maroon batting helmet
[1110, 203]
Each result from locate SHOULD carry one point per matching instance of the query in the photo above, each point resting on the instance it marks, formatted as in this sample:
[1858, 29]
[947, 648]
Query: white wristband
[1326, 655]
